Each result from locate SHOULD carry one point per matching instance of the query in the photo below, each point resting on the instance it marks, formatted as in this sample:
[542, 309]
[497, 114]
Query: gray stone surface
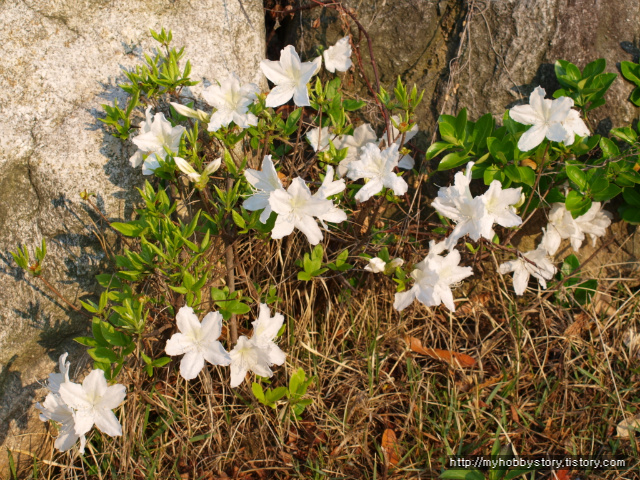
[62, 59]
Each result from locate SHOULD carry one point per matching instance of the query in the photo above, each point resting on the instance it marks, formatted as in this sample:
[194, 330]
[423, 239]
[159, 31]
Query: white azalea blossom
[57, 379]
[296, 208]
[535, 262]
[265, 182]
[338, 56]
[319, 138]
[154, 137]
[475, 216]
[231, 101]
[362, 135]
[186, 168]
[55, 409]
[198, 342]
[434, 277]
[378, 265]
[546, 116]
[144, 127]
[290, 77]
[500, 202]
[190, 112]
[376, 167]
[328, 188]
[574, 125]
[562, 225]
[93, 402]
[265, 330]
[248, 356]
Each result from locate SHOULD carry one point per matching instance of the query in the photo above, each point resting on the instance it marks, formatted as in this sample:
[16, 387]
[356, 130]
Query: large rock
[61, 61]
[486, 59]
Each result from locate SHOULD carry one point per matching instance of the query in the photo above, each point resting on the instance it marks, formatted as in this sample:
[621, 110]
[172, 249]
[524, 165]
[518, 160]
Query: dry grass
[550, 379]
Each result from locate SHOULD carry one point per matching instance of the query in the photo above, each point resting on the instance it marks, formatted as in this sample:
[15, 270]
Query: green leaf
[129, 229]
[570, 265]
[103, 355]
[594, 68]
[237, 307]
[524, 175]
[462, 474]
[352, 105]
[86, 341]
[625, 134]
[453, 160]
[258, 392]
[606, 194]
[630, 71]
[631, 215]
[631, 196]
[577, 204]
[609, 148]
[577, 176]
[272, 396]
[435, 149]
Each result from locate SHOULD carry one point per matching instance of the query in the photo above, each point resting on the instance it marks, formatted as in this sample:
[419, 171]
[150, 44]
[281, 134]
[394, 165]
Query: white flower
[248, 356]
[265, 330]
[535, 262]
[92, 403]
[153, 139]
[545, 115]
[186, 168]
[378, 265]
[319, 138]
[296, 208]
[475, 216]
[330, 187]
[190, 112]
[265, 182]
[57, 379]
[232, 102]
[338, 57]
[469, 213]
[198, 342]
[376, 167]
[150, 164]
[54, 408]
[290, 76]
[499, 204]
[361, 136]
[562, 225]
[145, 127]
[434, 277]
[574, 125]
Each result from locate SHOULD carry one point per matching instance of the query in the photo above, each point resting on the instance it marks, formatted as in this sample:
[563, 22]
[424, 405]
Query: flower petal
[108, 423]
[191, 365]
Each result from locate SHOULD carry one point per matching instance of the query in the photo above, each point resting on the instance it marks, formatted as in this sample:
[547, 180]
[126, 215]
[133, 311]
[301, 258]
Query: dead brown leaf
[454, 358]
[390, 447]
[475, 301]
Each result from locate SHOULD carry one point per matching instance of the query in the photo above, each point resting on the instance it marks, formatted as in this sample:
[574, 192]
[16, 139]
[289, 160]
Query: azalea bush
[250, 194]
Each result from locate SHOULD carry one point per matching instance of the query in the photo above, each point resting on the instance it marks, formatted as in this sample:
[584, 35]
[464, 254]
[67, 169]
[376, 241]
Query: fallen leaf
[579, 325]
[475, 301]
[454, 358]
[630, 424]
[562, 474]
[316, 23]
[390, 447]
[527, 162]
